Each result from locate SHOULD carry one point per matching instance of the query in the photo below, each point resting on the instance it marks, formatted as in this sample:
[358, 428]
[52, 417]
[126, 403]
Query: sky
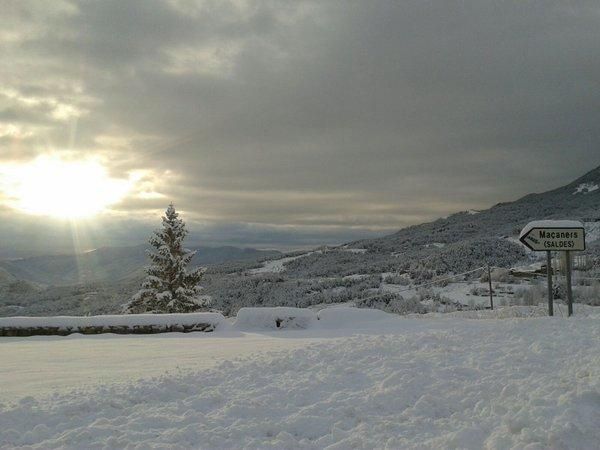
[281, 124]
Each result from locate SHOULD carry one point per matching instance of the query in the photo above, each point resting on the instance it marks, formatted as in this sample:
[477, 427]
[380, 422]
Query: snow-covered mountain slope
[465, 240]
[504, 219]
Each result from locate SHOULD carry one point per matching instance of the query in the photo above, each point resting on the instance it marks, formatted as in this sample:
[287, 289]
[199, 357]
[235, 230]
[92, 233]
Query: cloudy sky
[292, 123]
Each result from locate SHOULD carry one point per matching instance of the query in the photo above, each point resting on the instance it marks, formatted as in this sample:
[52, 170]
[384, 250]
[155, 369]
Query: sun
[51, 186]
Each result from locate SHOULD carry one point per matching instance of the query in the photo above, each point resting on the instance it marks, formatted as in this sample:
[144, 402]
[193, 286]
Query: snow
[550, 224]
[345, 317]
[320, 306]
[127, 320]
[512, 312]
[277, 265]
[536, 266]
[585, 188]
[355, 250]
[459, 292]
[42, 366]
[471, 293]
[395, 382]
[273, 318]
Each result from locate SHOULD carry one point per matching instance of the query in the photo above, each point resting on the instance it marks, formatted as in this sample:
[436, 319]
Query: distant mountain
[111, 264]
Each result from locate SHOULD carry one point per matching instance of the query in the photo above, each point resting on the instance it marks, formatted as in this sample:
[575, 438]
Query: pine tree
[168, 287]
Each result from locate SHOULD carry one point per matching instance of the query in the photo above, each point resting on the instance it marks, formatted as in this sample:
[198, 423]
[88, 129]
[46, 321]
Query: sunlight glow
[63, 189]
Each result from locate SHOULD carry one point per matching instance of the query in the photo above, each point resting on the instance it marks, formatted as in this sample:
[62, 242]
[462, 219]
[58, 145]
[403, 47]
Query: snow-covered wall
[118, 324]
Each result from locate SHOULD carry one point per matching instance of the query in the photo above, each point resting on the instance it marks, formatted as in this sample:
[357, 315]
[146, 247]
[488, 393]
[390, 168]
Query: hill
[361, 271]
[112, 264]
[579, 200]
[464, 240]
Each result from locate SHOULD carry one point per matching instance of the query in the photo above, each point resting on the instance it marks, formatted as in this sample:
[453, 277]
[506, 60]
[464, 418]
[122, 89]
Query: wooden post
[569, 286]
[549, 272]
[490, 284]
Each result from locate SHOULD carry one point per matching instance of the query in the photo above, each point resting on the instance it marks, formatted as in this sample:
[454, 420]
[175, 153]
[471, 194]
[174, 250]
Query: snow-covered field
[43, 365]
[354, 379]
[461, 292]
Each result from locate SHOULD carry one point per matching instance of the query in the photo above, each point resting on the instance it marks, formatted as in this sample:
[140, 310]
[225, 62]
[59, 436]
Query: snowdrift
[514, 312]
[344, 317]
[276, 318]
[119, 324]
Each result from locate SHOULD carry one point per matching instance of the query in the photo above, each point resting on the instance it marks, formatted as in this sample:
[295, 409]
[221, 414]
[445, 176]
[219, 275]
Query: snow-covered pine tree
[168, 287]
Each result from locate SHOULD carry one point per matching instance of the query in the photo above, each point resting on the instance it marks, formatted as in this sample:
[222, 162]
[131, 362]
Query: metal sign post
[549, 274]
[569, 288]
[549, 235]
[490, 287]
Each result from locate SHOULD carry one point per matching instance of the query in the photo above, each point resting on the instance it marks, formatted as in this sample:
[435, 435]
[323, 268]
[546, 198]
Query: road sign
[551, 235]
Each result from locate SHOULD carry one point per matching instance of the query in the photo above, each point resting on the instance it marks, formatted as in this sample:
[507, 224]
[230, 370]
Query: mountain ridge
[113, 264]
[507, 218]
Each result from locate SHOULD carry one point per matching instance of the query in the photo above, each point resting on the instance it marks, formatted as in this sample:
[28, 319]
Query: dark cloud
[328, 118]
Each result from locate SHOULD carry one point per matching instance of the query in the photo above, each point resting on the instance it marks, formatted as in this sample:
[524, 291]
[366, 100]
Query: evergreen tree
[168, 287]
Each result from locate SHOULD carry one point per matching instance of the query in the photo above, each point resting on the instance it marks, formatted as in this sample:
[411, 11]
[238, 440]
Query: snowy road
[38, 366]
[400, 383]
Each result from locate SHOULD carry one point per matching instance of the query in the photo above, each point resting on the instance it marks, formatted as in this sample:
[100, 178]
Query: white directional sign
[554, 235]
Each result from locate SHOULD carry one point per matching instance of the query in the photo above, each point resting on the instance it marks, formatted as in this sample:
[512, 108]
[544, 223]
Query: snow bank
[274, 318]
[121, 324]
[530, 384]
[348, 317]
[301, 318]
